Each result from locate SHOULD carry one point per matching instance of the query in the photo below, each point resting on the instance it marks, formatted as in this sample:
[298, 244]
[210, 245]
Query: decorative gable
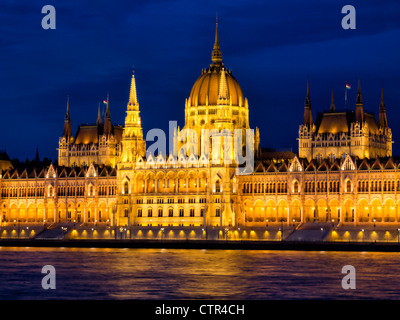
[348, 163]
[295, 166]
[51, 173]
[91, 171]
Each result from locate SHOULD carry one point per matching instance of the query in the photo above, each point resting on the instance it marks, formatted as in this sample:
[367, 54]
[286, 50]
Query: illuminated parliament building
[343, 173]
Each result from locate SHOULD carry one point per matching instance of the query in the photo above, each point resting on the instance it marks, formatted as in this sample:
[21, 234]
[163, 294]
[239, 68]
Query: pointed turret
[216, 55]
[359, 105]
[133, 103]
[67, 132]
[359, 98]
[107, 120]
[307, 118]
[223, 98]
[98, 122]
[333, 109]
[37, 158]
[133, 144]
[382, 122]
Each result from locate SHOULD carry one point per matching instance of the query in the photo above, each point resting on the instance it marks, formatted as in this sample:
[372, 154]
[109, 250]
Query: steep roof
[338, 122]
[89, 134]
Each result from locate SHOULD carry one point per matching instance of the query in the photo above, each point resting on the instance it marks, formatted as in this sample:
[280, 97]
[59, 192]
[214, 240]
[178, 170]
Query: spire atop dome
[216, 55]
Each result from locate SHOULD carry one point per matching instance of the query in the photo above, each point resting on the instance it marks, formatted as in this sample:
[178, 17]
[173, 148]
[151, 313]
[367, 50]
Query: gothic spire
[107, 108]
[382, 121]
[107, 120]
[307, 118]
[359, 105]
[359, 98]
[133, 100]
[67, 132]
[67, 116]
[333, 109]
[98, 122]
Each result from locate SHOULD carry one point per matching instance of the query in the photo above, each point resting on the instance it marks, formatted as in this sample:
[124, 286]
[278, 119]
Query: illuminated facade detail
[104, 175]
[98, 143]
[59, 194]
[348, 190]
[335, 134]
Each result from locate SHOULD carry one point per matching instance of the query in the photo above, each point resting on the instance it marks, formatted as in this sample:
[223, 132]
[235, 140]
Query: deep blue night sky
[272, 47]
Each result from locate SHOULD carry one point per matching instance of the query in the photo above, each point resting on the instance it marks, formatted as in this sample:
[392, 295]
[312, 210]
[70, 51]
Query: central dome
[205, 89]
[216, 96]
[216, 101]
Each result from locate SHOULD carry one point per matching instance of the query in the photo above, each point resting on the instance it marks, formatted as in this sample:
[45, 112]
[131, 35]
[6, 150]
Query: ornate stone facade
[344, 173]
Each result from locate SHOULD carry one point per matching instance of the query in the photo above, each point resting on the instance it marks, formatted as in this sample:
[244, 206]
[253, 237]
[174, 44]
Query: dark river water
[196, 274]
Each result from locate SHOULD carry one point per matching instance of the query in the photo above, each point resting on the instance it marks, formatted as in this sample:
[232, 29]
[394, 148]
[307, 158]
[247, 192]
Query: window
[218, 212]
[126, 212]
[150, 212]
[192, 212]
[139, 212]
[170, 212]
[181, 212]
[217, 186]
[160, 212]
[295, 187]
[202, 212]
[126, 188]
[348, 186]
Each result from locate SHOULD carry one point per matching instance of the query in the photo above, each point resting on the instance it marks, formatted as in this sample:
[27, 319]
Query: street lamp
[398, 236]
